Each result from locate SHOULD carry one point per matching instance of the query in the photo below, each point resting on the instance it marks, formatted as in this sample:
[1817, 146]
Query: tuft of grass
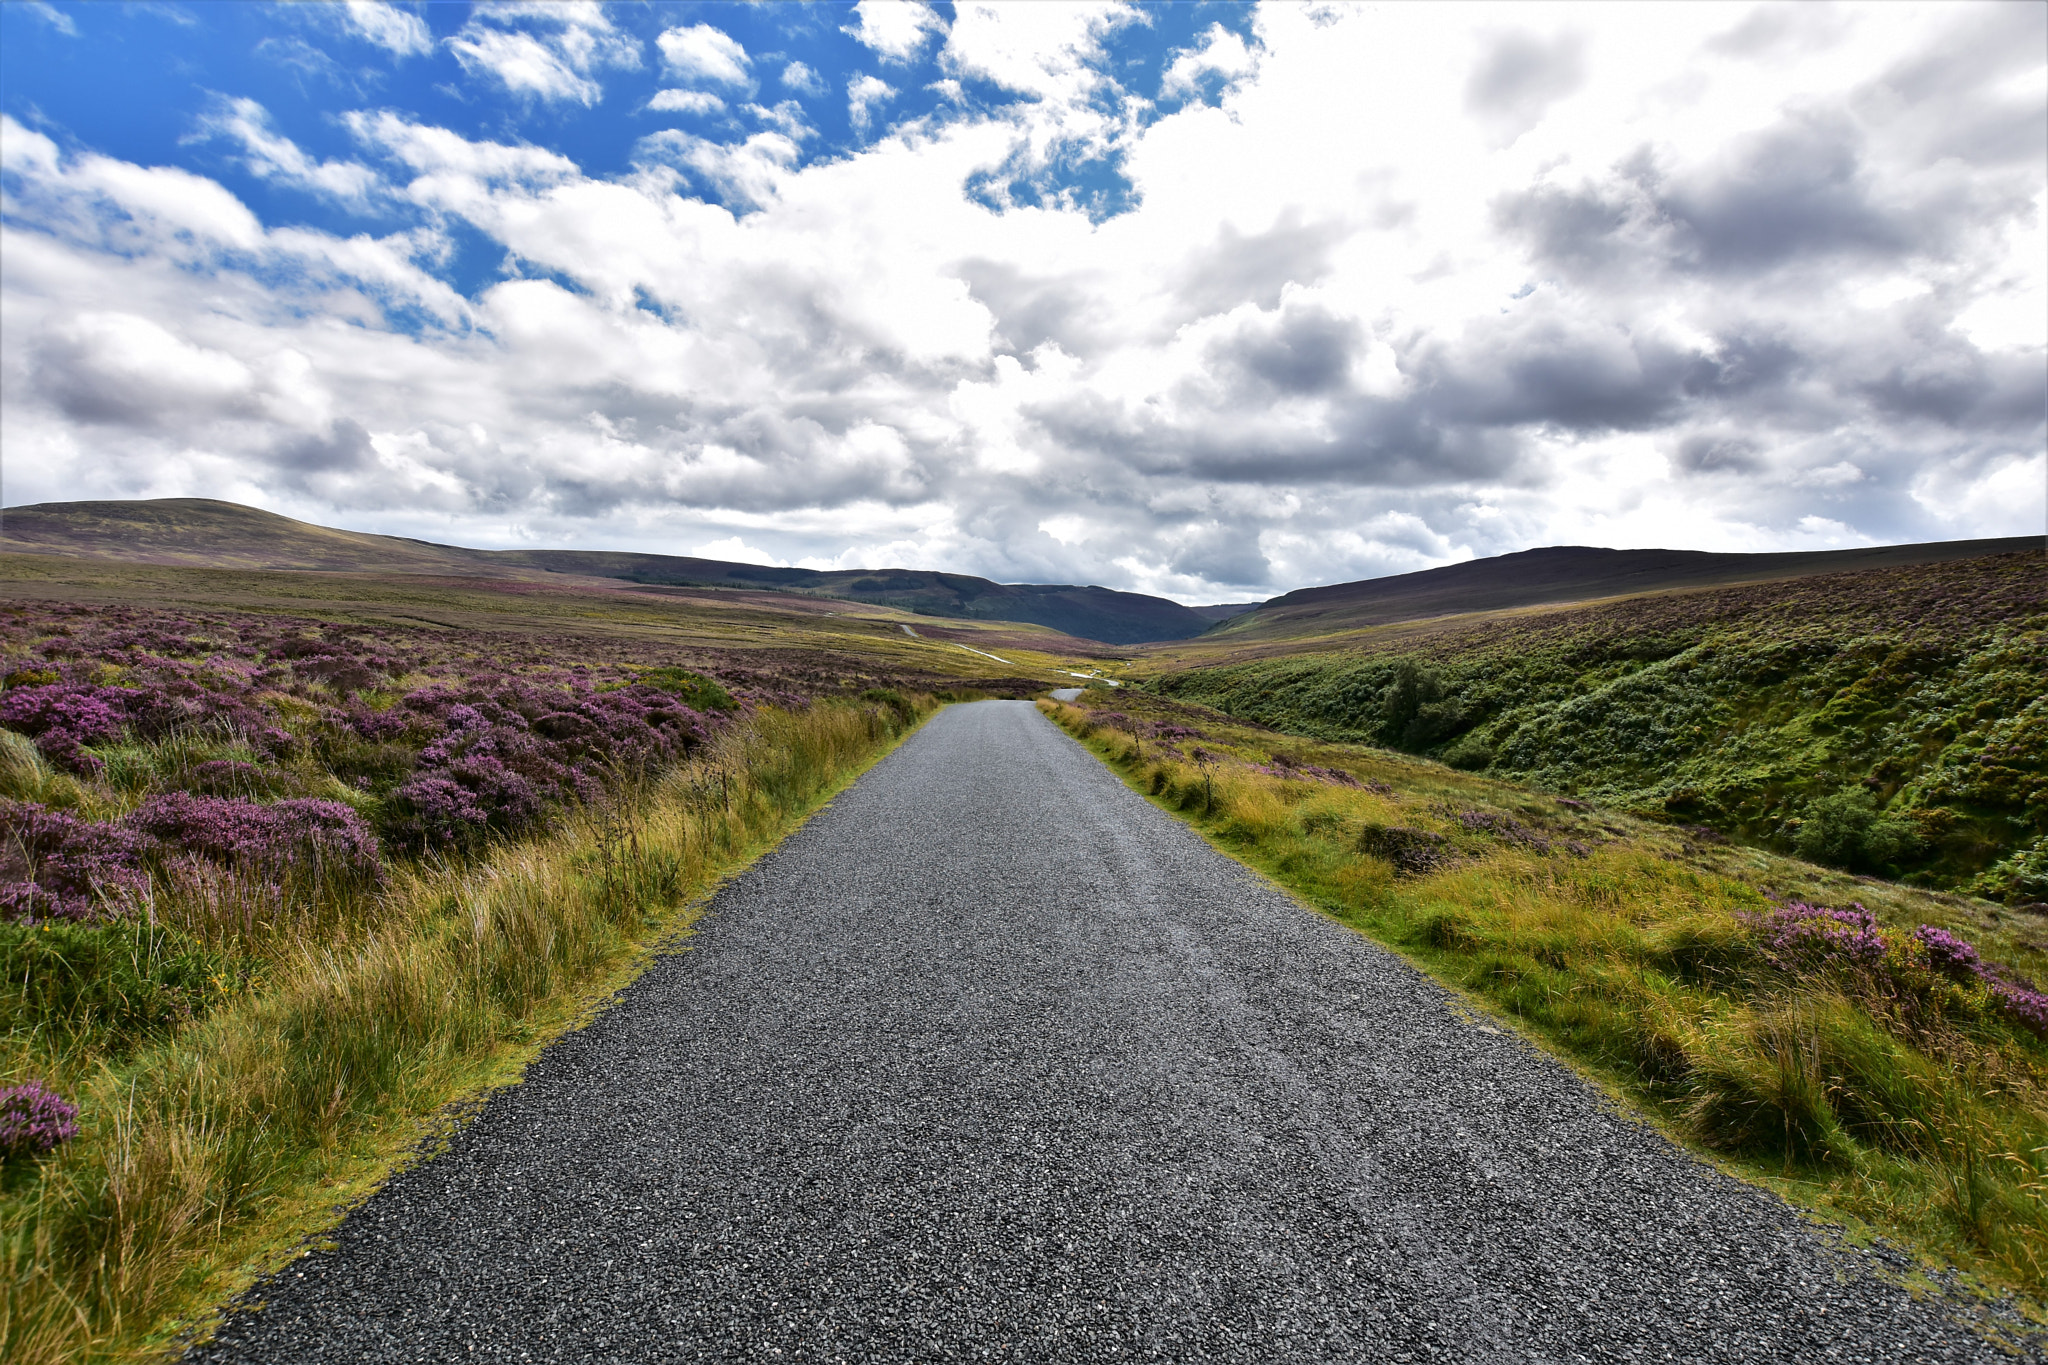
[216, 1135]
[1639, 957]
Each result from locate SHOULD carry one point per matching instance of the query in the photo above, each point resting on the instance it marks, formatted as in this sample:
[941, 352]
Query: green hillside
[1891, 721]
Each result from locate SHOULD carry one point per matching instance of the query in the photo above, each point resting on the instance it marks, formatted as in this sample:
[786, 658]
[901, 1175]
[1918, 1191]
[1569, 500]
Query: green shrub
[888, 696]
[1847, 829]
[697, 691]
[2020, 878]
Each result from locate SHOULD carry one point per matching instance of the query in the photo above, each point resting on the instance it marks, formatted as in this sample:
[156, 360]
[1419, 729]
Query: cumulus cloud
[548, 52]
[895, 30]
[1520, 75]
[273, 156]
[389, 27]
[801, 78]
[864, 93]
[1221, 54]
[1636, 281]
[687, 102]
[701, 52]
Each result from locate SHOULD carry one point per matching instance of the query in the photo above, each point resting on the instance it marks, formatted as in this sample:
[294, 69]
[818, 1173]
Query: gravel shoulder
[994, 1060]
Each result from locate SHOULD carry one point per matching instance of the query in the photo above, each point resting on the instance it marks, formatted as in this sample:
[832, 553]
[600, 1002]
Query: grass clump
[1868, 1062]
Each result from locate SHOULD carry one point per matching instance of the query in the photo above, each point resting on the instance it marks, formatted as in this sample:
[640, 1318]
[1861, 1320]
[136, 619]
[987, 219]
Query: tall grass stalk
[1642, 972]
[203, 1155]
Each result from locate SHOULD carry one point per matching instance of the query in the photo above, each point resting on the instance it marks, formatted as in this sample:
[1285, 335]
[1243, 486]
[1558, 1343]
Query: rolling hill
[1562, 574]
[202, 532]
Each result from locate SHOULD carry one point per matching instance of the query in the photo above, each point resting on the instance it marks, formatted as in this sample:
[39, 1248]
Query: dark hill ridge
[1568, 573]
[206, 533]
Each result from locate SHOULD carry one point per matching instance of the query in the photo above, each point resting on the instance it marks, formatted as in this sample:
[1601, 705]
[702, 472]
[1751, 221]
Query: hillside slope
[1566, 573]
[202, 532]
[1889, 721]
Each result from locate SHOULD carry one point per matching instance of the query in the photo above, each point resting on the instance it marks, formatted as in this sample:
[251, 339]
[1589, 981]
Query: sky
[1203, 300]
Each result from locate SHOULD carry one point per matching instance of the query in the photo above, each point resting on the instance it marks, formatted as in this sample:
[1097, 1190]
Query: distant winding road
[994, 1061]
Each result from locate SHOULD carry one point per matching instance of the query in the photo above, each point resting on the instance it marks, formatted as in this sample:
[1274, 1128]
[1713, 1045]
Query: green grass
[1889, 722]
[243, 1077]
[1624, 948]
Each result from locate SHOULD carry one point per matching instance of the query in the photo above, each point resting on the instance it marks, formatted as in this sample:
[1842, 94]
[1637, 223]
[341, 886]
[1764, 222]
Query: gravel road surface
[994, 1061]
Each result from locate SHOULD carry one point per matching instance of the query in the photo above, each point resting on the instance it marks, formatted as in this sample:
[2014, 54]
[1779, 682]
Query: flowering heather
[301, 832]
[1798, 937]
[1903, 971]
[62, 718]
[55, 866]
[1947, 954]
[448, 738]
[34, 1121]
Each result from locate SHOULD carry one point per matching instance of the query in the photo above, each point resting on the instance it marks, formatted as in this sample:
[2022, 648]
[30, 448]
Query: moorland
[293, 861]
[201, 532]
[311, 835]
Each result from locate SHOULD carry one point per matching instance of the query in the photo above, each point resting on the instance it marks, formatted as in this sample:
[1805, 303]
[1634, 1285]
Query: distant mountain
[1565, 573]
[1223, 611]
[206, 533]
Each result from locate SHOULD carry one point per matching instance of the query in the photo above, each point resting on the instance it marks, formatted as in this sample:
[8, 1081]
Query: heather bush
[272, 836]
[34, 1121]
[56, 866]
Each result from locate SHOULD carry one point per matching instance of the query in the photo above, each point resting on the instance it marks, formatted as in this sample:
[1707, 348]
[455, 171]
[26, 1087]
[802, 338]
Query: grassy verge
[1863, 1067]
[206, 1153]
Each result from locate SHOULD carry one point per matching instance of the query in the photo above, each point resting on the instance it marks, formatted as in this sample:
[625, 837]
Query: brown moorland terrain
[204, 533]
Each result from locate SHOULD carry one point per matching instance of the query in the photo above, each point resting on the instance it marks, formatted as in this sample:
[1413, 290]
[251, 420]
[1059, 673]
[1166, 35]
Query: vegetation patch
[275, 890]
[1872, 1051]
[1889, 722]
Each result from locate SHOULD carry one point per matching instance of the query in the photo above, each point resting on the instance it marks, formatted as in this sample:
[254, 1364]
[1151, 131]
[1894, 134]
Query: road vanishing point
[994, 1061]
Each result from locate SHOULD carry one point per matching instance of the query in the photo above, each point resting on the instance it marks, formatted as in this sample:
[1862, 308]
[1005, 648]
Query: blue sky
[1202, 299]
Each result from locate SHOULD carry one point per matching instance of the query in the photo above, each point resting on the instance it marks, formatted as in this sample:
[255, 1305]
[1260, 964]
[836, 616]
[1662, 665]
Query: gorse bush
[1893, 1069]
[1890, 721]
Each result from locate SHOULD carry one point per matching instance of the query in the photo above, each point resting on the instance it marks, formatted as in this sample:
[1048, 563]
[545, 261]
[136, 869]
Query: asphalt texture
[994, 1061]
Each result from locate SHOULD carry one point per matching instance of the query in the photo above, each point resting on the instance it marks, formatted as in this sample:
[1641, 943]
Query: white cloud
[389, 27]
[555, 59]
[802, 79]
[687, 101]
[704, 53]
[736, 550]
[273, 156]
[1220, 53]
[54, 17]
[895, 29]
[863, 94]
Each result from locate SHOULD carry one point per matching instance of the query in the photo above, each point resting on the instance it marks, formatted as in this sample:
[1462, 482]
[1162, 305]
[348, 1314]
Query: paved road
[993, 1061]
